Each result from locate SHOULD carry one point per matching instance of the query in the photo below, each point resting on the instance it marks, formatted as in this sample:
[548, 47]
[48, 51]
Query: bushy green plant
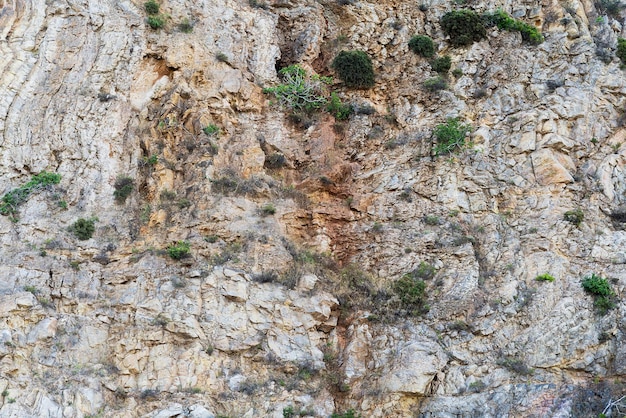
[464, 27]
[435, 84]
[412, 294]
[83, 229]
[354, 69]
[339, 110]
[350, 413]
[441, 64]
[152, 7]
[621, 50]
[156, 22]
[422, 45]
[575, 216]
[123, 187]
[600, 289]
[179, 250]
[450, 136]
[11, 200]
[299, 92]
[211, 129]
[545, 278]
[185, 26]
[503, 21]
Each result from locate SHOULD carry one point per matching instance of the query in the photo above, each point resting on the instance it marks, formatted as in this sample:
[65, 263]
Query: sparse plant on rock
[435, 84]
[156, 22]
[621, 50]
[412, 294]
[11, 200]
[450, 136]
[179, 250]
[354, 69]
[339, 110]
[545, 278]
[575, 216]
[299, 92]
[503, 21]
[123, 187]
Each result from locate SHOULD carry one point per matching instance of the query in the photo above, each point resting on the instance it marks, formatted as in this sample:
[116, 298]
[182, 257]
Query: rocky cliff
[206, 252]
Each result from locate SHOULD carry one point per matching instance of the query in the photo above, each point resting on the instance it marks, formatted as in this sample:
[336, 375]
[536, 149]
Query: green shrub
[123, 187]
[516, 365]
[450, 136]
[621, 50]
[596, 285]
[464, 27]
[152, 7]
[457, 72]
[268, 209]
[211, 129]
[422, 45]
[185, 26]
[299, 92]
[412, 294]
[83, 229]
[600, 289]
[442, 64]
[503, 21]
[339, 110]
[156, 22]
[348, 414]
[435, 84]
[545, 278]
[354, 69]
[179, 250]
[11, 200]
[575, 216]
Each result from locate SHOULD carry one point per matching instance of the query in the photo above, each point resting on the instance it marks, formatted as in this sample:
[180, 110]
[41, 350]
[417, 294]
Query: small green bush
[268, 209]
[596, 285]
[123, 187]
[464, 27]
[185, 26]
[450, 136]
[575, 216]
[600, 289]
[83, 229]
[422, 45]
[412, 294]
[621, 50]
[435, 84]
[152, 7]
[211, 129]
[339, 110]
[156, 22]
[354, 69]
[442, 64]
[545, 278]
[179, 250]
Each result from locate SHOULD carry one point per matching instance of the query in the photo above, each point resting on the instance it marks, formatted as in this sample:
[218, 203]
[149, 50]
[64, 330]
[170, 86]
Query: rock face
[300, 226]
